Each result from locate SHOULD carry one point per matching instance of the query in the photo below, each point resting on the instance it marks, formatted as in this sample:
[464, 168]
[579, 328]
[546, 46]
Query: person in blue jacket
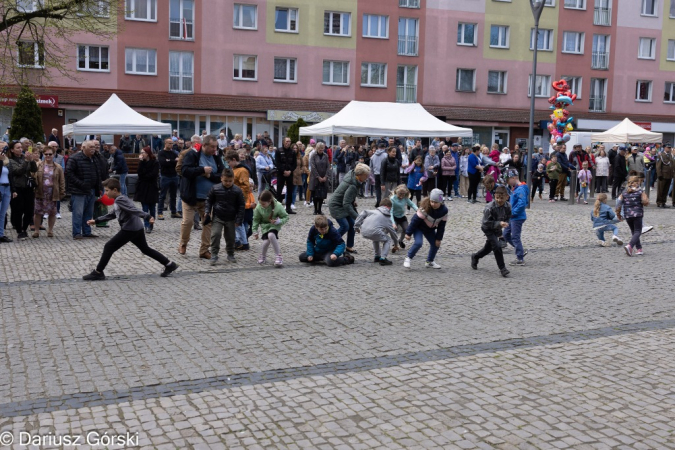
[520, 195]
[324, 243]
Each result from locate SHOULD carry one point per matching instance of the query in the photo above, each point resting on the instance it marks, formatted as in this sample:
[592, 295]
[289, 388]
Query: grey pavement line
[287, 266]
[91, 399]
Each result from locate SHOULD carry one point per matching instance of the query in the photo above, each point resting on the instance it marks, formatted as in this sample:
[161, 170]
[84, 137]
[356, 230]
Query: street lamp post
[537, 7]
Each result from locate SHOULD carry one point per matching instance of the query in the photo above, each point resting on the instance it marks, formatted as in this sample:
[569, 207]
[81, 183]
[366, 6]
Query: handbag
[30, 182]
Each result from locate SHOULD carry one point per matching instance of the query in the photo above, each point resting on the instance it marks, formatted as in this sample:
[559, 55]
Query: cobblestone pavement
[573, 351]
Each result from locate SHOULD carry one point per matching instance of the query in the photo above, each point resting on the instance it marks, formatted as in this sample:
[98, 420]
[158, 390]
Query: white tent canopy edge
[384, 119]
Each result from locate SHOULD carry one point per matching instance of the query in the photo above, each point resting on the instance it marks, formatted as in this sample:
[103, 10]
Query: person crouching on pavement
[496, 217]
[226, 202]
[131, 230]
[428, 223]
[324, 243]
[379, 228]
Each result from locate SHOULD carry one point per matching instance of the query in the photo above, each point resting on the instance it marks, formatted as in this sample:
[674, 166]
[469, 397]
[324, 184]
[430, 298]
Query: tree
[38, 36]
[294, 132]
[27, 117]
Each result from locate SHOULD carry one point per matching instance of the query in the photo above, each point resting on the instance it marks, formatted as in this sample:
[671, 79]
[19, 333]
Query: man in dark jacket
[561, 153]
[84, 185]
[619, 171]
[120, 167]
[169, 181]
[225, 205]
[199, 172]
[665, 171]
[285, 162]
[126, 144]
[54, 137]
[611, 155]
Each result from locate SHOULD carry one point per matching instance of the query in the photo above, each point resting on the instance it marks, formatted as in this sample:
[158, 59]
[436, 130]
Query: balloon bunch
[561, 122]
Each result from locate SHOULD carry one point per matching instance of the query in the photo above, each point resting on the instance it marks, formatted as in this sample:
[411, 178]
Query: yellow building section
[667, 34]
[310, 22]
[517, 15]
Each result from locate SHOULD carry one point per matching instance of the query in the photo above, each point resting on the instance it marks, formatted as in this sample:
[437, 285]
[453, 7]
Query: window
[550, 3]
[466, 34]
[598, 94]
[28, 5]
[374, 74]
[573, 42]
[602, 14]
[466, 80]
[669, 96]
[542, 86]
[181, 19]
[406, 84]
[499, 36]
[671, 14]
[496, 82]
[284, 70]
[92, 58]
[575, 4]
[246, 67]
[643, 91]
[336, 72]
[140, 61]
[286, 20]
[575, 85]
[544, 40]
[600, 52]
[96, 8]
[31, 54]
[409, 3]
[246, 16]
[181, 68]
[141, 10]
[671, 50]
[375, 26]
[647, 48]
[648, 7]
[337, 23]
[407, 37]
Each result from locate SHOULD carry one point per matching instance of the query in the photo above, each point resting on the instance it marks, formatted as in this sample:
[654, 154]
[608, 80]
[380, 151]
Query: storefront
[48, 103]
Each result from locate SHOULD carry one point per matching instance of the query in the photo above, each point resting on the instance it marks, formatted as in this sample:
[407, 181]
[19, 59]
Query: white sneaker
[431, 265]
[45, 216]
[406, 262]
[306, 204]
[617, 239]
[602, 243]
[647, 229]
[292, 206]
[58, 215]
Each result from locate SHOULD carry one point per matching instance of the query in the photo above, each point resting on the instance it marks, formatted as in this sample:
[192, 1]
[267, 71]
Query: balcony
[407, 45]
[597, 104]
[603, 17]
[600, 60]
[409, 3]
[406, 93]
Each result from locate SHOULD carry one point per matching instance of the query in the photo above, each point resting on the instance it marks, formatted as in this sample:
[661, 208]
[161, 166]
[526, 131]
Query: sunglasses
[48, 154]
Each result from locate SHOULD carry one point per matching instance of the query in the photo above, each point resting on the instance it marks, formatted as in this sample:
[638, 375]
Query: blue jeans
[240, 234]
[148, 207]
[169, 184]
[83, 210]
[420, 234]
[293, 190]
[123, 183]
[455, 185]
[347, 226]
[6, 195]
[600, 233]
[512, 236]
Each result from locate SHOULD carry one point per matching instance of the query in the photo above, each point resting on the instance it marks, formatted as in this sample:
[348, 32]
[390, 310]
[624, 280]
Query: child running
[633, 200]
[603, 220]
[131, 230]
[377, 225]
[399, 201]
[428, 223]
[270, 216]
[496, 217]
[585, 178]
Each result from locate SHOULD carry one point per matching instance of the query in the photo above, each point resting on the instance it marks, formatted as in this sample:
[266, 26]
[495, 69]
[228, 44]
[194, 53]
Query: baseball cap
[455, 144]
[667, 144]
[436, 195]
[622, 147]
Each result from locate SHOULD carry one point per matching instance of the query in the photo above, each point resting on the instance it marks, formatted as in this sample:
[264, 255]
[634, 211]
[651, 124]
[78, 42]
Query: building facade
[251, 66]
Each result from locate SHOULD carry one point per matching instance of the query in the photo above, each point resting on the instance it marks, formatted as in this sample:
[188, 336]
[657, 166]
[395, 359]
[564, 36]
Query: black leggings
[23, 207]
[416, 194]
[121, 239]
[474, 180]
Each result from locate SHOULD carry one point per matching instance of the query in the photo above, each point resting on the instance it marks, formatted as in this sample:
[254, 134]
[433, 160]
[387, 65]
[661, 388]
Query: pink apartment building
[251, 66]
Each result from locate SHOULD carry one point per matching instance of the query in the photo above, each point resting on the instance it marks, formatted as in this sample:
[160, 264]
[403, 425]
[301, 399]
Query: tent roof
[384, 119]
[627, 131]
[115, 117]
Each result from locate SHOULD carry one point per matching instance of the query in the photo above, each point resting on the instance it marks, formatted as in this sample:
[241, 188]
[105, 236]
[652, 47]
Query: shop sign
[646, 125]
[44, 101]
[292, 116]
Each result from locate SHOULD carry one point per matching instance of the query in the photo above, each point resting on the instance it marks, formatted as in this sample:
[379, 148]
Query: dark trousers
[635, 225]
[662, 191]
[492, 245]
[474, 180]
[616, 186]
[552, 184]
[121, 239]
[378, 190]
[601, 184]
[416, 194]
[325, 257]
[428, 186]
[170, 185]
[288, 182]
[226, 228]
[23, 207]
[446, 182]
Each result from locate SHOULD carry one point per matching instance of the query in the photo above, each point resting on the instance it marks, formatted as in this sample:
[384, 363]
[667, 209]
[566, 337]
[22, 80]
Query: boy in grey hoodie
[376, 225]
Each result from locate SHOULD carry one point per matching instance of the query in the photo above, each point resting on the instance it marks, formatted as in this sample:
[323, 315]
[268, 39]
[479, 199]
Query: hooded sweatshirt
[321, 244]
[519, 199]
[376, 161]
[375, 223]
[126, 213]
[434, 219]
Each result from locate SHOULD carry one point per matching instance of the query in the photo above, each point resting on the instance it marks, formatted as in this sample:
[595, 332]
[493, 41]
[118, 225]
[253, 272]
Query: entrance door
[500, 137]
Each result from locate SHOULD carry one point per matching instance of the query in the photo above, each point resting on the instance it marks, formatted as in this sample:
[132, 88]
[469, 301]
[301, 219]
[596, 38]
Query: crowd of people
[248, 188]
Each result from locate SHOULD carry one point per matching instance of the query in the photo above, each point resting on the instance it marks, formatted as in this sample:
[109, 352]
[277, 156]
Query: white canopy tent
[384, 119]
[115, 117]
[627, 131]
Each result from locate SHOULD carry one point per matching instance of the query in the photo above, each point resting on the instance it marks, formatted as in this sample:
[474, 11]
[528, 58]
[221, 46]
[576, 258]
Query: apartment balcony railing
[603, 16]
[181, 29]
[597, 104]
[600, 60]
[409, 3]
[406, 93]
[407, 45]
